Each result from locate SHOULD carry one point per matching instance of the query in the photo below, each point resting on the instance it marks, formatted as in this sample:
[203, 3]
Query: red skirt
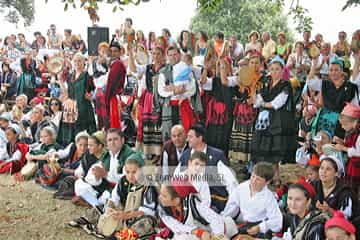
[244, 113]
[186, 113]
[353, 170]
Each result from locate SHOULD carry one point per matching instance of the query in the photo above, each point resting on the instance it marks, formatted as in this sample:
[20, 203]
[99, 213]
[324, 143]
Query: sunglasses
[54, 104]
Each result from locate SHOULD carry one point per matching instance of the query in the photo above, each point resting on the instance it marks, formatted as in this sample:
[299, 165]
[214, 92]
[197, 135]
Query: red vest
[353, 163]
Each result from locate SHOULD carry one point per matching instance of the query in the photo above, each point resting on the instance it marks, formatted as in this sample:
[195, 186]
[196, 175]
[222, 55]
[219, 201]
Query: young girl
[339, 228]
[300, 222]
[350, 122]
[15, 149]
[131, 202]
[47, 146]
[186, 217]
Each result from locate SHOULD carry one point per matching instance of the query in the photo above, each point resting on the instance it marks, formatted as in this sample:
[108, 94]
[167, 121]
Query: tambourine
[107, 224]
[142, 57]
[295, 83]
[355, 41]
[29, 170]
[244, 76]
[314, 51]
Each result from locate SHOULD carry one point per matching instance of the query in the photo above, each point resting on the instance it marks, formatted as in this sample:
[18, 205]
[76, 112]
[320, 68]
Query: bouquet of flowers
[126, 234]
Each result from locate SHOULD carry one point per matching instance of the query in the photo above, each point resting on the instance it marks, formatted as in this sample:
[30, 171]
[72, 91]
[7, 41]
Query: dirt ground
[28, 211]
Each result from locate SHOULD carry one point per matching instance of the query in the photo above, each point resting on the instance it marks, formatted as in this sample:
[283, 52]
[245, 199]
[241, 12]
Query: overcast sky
[175, 15]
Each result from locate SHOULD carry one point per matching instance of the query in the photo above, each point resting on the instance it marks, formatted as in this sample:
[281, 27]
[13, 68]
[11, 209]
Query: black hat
[115, 44]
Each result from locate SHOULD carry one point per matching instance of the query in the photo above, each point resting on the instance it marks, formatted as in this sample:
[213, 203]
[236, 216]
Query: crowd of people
[146, 132]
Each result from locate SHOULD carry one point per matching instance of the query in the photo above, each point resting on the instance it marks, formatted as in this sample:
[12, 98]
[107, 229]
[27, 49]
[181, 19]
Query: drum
[29, 170]
[142, 57]
[107, 224]
[244, 77]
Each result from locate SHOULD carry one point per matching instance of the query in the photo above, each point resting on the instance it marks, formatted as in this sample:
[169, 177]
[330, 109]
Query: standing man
[176, 86]
[115, 86]
[236, 50]
[269, 47]
[54, 39]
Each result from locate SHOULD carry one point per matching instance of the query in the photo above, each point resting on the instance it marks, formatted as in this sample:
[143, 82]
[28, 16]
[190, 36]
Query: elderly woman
[299, 62]
[78, 90]
[300, 216]
[343, 49]
[331, 193]
[335, 93]
[274, 139]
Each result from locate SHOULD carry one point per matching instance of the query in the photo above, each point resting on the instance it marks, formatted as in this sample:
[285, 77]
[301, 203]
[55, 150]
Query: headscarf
[338, 220]
[351, 110]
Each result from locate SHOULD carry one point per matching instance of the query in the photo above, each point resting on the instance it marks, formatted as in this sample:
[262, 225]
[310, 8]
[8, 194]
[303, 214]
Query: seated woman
[338, 227]
[300, 222]
[95, 149]
[15, 149]
[185, 217]
[331, 193]
[69, 160]
[46, 146]
[55, 111]
[131, 201]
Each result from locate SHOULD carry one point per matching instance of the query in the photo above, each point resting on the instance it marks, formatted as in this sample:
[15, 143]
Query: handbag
[70, 113]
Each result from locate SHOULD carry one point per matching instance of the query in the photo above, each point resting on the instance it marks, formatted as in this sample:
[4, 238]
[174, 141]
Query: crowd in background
[86, 126]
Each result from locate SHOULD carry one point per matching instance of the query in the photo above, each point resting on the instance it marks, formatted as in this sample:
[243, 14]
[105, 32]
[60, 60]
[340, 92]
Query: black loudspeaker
[96, 35]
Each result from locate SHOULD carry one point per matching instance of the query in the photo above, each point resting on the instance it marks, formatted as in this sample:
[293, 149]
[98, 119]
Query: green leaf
[114, 9]
[66, 6]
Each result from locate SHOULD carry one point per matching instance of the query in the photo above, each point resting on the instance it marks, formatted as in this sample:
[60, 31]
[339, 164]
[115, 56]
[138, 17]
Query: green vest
[125, 152]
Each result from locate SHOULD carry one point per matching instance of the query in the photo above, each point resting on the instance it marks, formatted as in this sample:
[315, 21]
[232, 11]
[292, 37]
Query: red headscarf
[351, 110]
[183, 187]
[338, 220]
[309, 188]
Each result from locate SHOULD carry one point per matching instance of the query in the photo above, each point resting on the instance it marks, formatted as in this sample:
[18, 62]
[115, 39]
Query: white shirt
[112, 175]
[260, 207]
[165, 163]
[216, 222]
[190, 86]
[227, 177]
